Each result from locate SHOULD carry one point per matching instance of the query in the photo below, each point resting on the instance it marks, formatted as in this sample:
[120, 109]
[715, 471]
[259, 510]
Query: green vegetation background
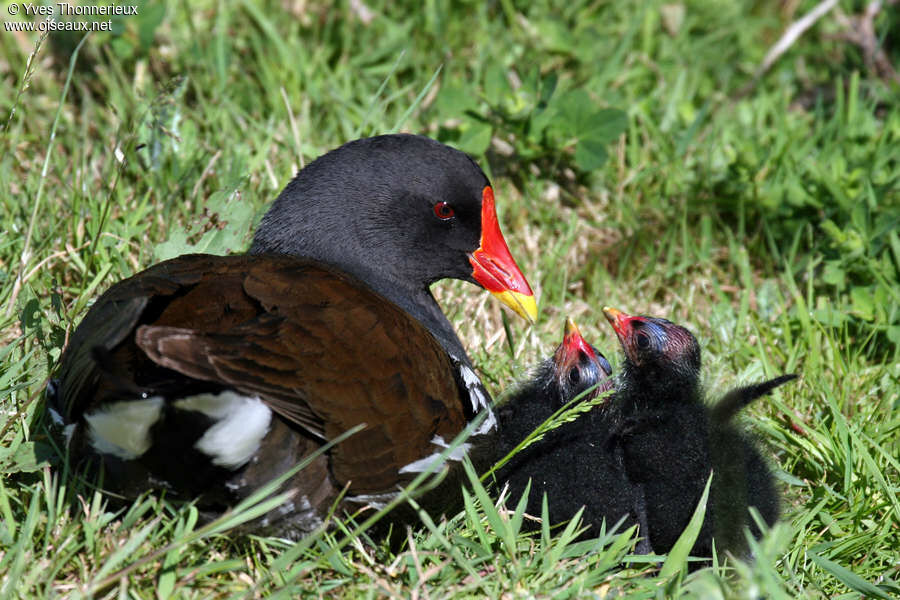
[642, 158]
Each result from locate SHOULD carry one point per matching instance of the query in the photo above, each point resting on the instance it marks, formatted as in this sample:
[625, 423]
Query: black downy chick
[570, 464]
[671, 440]
[661, 424]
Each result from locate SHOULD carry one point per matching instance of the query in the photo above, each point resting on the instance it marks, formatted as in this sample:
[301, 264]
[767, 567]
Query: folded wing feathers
[320, 351]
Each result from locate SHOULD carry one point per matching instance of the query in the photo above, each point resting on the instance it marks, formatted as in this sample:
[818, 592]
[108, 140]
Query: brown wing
[101, 362]
[315, 345]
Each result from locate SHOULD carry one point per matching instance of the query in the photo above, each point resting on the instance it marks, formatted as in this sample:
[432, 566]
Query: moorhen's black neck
[425, 308]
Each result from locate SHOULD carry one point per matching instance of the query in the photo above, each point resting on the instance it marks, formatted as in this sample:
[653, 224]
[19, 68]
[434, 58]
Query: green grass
[765, 218]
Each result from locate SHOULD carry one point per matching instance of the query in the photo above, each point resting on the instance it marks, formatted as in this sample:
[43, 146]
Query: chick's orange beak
[493, 266]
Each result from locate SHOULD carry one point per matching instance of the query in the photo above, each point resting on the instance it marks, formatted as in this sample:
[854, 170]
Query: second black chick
[661, 424]
[671, 440]
[573, 464]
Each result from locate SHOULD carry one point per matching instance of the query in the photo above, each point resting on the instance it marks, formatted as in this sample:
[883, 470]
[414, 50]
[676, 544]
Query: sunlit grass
[710, 211]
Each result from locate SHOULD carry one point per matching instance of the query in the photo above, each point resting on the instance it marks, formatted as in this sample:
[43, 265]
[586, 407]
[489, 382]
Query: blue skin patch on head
[653, 338]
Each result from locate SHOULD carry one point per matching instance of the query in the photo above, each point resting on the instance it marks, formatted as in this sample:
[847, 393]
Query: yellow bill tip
[612, 314]
[524, 305]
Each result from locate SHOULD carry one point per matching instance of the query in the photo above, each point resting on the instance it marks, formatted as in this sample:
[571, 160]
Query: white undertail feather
[242, 423]
[122, 429]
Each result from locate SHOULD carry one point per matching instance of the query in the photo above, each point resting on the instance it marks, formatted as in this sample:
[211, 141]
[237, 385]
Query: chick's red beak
[620, 321]
[575, 355]
[493, 266]
[567, 354]
[622, 324]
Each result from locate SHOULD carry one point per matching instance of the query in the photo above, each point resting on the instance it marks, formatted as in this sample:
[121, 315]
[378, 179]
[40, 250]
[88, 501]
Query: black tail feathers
[735, 400]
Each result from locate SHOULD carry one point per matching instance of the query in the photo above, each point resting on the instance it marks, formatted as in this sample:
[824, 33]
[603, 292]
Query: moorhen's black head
[662, 359]
[399, 212]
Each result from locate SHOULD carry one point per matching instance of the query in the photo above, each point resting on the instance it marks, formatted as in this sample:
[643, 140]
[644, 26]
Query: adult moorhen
[209, 376]
[573, 464]
[672, 440]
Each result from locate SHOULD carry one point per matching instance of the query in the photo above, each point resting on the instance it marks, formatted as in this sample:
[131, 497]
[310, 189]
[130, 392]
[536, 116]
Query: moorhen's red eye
[443, 211]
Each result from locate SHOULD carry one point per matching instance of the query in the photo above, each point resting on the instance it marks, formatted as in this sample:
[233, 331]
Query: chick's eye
[643, 341]
[443, 211]
[574, 376]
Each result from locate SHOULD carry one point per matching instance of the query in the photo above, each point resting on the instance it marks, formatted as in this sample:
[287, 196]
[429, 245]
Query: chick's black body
[661, 426]
[671, 440]
[573, 464]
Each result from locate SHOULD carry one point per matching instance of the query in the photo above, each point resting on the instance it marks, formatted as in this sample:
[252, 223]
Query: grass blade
[677, 559]
[848, 577]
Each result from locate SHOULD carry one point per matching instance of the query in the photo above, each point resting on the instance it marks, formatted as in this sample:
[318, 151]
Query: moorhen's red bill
[209, 376]
[672, 441]
[494, 267]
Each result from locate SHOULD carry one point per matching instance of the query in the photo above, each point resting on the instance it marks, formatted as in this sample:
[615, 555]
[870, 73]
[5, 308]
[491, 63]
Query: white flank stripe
[242, 423]
[489, 423]
[423, 464]
[473, 384]
[376, 501]
[479, 402]
[431, 462]
[457, 453]
[55, 416]
[122, 429]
